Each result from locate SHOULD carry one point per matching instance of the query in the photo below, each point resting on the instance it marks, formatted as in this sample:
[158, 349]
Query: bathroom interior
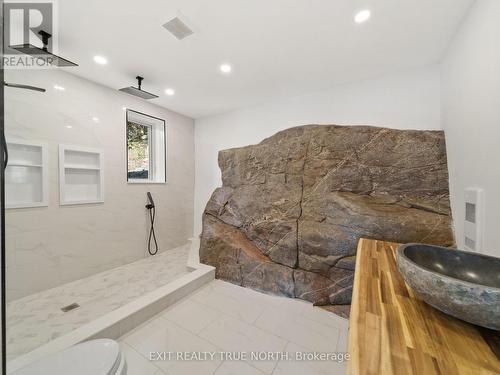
[250, 187]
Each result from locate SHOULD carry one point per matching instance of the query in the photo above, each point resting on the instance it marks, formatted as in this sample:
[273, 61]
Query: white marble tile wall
[54, 245]
[240, 319]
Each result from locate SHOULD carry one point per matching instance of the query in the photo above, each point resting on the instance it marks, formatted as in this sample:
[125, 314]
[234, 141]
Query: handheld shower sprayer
[150, 206]
[151, 202]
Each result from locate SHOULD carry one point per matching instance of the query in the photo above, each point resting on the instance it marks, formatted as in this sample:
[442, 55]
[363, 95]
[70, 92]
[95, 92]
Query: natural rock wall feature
[291, 209]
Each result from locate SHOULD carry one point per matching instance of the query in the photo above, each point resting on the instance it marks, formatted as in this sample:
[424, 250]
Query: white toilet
[95, 357]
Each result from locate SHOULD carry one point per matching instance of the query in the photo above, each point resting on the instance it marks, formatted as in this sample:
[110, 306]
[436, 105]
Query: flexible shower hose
[152, 232]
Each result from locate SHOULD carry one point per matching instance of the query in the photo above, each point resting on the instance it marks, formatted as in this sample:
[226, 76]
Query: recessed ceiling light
[59, 88]
[362, 16]
[225, 68]
[69, 126]
[95, 119]
[169, 92]
[100, 60]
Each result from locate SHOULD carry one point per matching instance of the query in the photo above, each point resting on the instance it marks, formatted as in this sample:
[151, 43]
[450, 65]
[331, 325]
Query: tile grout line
[300, 344]
[182, 329]
[142, 356]
[245, 323]
[239, 317]
[217, 368]
[164, 313]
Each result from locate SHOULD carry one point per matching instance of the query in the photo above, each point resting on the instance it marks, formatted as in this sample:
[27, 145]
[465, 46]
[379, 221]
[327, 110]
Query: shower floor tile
[37, 319]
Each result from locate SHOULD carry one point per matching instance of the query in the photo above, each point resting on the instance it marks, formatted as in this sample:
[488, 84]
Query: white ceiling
[278, 48]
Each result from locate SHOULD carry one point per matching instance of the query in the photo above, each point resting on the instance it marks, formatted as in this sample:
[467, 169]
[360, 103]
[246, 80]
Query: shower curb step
[126, 318]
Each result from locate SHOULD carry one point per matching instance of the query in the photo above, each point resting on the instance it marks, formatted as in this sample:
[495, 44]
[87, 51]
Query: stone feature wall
[291, 209]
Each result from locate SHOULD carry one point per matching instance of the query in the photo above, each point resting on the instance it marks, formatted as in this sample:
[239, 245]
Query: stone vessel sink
[459, 283]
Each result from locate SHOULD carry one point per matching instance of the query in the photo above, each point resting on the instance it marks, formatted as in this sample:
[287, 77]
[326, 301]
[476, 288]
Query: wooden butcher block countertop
[394, 332]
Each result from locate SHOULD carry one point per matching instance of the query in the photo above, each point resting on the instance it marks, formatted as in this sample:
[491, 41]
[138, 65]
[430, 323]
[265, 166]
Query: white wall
[471, 116]
[52, 245]
[407, 100]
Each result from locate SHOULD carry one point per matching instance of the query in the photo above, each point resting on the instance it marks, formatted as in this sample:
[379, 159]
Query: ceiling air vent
[178, 28]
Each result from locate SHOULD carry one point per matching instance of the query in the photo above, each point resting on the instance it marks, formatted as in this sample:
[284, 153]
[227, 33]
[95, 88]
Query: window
[139, 139]
[146, 148]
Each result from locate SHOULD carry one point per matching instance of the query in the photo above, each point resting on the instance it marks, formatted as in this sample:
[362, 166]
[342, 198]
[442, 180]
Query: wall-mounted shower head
[25, 87]
[137, 91]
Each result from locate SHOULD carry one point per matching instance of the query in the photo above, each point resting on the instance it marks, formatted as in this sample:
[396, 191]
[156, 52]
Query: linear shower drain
[70, 307]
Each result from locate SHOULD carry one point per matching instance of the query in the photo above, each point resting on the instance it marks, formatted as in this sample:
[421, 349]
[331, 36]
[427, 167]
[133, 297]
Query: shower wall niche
[80, 175]
[26, 178]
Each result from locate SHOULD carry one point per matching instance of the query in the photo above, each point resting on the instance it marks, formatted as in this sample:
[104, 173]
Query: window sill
[132, 182]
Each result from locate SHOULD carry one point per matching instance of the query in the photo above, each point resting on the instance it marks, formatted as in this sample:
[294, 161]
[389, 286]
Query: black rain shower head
[43, 53]
[137, 91]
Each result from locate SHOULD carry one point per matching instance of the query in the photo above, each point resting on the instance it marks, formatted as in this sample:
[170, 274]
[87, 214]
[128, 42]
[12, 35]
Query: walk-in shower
[87, 203]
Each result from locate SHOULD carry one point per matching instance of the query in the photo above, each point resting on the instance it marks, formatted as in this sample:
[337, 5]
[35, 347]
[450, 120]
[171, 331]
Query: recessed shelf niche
[26, 176]
[80, 175]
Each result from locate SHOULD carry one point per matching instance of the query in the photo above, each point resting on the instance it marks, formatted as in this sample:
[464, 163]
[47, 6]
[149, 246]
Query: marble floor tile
[235, 335]
[342, 344]
[300, 367]
[278, 325]
[37, 319]
[224, 317]
[229, 299]
[136, 363]
[191, 315]
[308, 333]
[322, 316]
[160, 335]
[287, 305]
[237, 368]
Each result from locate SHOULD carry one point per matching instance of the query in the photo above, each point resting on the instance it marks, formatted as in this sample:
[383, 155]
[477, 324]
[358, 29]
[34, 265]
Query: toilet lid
[96, 357]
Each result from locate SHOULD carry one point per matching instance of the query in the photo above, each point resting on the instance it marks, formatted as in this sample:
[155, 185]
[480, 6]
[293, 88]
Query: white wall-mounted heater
[473, 225]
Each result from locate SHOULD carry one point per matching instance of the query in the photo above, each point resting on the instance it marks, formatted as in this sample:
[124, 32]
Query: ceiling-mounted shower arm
[139, 81]
[45, 39]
